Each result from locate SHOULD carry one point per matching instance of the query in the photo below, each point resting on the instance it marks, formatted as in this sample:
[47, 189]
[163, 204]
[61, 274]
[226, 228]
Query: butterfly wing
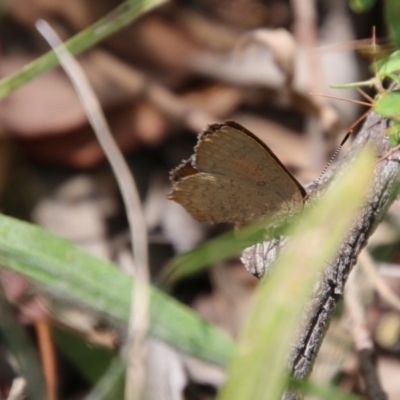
[234, 177]
[219, 198]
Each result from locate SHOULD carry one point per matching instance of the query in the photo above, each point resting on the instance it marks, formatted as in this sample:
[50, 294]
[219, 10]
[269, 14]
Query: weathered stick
[331, 285]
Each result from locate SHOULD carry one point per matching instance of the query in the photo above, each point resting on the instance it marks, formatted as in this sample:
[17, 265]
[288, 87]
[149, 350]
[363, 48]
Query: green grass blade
[20, 345]
[226, 246]
[259, 369]
[106, 26]
[90, 360]
[70, 272]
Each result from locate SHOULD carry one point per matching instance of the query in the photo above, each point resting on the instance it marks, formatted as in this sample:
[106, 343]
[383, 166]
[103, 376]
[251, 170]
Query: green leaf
[393, 77]
[258, 371]
[111, 23]
[392, 14]
[388, 105]
[389, 65]
[70, 272]
[393, 133]
[361, 6]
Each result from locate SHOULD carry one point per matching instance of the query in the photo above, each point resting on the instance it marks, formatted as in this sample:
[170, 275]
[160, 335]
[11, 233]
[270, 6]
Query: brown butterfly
[234, 177]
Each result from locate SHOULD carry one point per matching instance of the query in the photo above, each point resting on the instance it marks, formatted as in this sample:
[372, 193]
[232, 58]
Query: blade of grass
[226, 246]
[215, 250]
[258, 370]
[111, 385]
[71, 273]
[106, 26]
[17, 341]
[91, 361]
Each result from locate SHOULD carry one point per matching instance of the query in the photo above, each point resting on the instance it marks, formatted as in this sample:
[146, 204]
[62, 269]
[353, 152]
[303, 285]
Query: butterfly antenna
[334, 155]
[337, 151]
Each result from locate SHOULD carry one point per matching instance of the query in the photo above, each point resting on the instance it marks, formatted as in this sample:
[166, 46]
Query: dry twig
[139, 319]
[330, 288]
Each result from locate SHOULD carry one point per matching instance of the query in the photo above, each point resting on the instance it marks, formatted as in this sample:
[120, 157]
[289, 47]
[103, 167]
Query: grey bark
[382, 192]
